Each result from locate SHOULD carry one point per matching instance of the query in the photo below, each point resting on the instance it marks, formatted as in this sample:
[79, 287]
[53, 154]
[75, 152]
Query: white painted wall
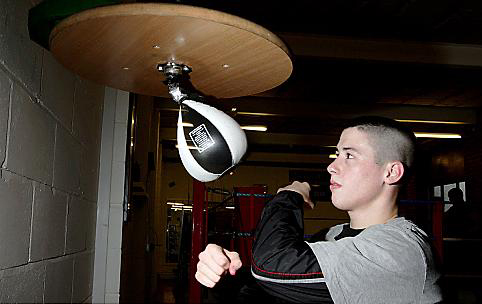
[110, 198]
[50, 131]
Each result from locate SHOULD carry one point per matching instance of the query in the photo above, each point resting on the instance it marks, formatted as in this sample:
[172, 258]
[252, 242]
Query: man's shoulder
[399, 238]
[400, 227]
[396, 229]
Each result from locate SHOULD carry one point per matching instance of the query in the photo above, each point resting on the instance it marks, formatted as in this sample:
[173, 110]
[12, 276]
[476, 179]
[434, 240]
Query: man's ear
[394, 172]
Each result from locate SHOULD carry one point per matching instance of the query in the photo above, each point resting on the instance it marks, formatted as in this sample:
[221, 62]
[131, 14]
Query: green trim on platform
[44, 17]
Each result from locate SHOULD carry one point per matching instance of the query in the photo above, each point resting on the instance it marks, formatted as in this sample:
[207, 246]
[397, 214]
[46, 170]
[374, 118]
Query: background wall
[177, 186]
[473, 163]
[49, 153]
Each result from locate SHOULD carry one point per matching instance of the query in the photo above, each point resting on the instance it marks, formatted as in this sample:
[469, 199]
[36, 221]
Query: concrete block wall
[50, 128]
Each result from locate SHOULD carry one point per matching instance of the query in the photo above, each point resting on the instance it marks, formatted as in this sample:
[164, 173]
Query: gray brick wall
[50, 128]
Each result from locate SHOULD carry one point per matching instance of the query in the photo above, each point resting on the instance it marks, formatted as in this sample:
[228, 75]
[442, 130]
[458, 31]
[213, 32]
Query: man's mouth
[334, 185]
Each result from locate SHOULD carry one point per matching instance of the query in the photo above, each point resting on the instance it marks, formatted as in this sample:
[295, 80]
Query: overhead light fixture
[175, 204]
[433, 121]
[189, 147]
[332, 156]
[437, 135]
[185, 124]
[257, 114]
[255, 128]
[229, 207]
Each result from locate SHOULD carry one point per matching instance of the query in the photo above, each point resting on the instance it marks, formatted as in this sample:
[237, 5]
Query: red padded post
[198, 238]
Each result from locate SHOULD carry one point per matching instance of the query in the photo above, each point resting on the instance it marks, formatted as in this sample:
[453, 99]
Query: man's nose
[331, 168]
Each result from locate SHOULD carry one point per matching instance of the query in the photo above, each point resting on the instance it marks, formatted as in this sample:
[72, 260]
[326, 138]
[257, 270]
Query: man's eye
[349, 156]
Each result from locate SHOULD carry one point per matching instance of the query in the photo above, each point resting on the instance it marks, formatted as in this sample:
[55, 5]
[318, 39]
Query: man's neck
[378, 212]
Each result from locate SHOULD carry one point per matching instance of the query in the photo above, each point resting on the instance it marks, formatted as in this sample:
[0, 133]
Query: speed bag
[209, 141]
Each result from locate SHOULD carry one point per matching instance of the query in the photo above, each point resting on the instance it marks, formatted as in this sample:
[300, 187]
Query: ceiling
[419, 59]
[417, 20]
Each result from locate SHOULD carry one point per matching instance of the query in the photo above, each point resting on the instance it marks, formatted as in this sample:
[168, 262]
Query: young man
[377, 258]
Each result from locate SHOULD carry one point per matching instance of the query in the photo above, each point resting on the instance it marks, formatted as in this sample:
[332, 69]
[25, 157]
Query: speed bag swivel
[209, 141]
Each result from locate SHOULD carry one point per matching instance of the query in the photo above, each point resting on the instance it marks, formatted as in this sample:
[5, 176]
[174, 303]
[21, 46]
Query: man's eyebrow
[348, 149]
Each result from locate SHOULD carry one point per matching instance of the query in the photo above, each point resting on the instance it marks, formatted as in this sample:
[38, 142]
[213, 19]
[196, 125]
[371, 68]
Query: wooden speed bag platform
[121, 45]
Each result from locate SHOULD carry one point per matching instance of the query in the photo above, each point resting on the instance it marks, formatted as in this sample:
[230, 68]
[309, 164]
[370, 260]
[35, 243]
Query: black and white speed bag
[209, 141]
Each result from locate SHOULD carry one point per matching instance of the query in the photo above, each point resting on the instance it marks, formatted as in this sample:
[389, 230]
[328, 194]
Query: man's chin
[338, 204]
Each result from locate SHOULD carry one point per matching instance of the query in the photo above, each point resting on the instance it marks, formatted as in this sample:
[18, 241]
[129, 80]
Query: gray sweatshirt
[385, 263]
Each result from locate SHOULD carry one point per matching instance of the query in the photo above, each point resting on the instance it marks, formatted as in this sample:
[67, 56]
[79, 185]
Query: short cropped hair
[391, 140]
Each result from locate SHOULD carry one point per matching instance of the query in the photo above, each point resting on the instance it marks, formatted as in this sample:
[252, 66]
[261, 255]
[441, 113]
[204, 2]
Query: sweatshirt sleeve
[283, 263]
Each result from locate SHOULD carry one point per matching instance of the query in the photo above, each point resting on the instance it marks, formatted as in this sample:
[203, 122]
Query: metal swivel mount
[176, 75]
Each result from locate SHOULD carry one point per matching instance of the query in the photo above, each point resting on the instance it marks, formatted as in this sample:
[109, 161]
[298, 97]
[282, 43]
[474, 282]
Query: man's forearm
[279, 251]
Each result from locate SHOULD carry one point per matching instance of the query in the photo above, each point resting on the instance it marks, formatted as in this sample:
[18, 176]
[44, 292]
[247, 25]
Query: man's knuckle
[211, 247]
[199, 277]
[223, 262]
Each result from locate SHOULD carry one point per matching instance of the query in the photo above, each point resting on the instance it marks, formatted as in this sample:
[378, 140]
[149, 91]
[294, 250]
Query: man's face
[356, 180]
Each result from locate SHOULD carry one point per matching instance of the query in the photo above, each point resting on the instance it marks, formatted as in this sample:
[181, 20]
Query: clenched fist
[302, 188]
[214, 262]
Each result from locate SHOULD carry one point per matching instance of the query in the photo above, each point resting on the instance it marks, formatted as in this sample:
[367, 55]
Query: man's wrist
[293, 195]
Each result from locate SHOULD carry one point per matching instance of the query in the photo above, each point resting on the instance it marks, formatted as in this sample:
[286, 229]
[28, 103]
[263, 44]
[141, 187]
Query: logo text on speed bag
[201, 138]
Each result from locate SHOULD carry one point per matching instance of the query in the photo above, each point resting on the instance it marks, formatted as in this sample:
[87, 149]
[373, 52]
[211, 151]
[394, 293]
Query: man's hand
[214, 262]
[302, 188]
